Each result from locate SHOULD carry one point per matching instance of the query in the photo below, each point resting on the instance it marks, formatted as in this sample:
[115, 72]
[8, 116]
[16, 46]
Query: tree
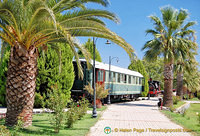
[138, 66]
[191, 78]
[186, 56]
[30, 24]
[49, 72]
[3, 76]
[89, 47]
[166, 43]
[155, 70]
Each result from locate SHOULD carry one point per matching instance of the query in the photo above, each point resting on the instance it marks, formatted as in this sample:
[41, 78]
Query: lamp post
[94, 113]
[110, 60]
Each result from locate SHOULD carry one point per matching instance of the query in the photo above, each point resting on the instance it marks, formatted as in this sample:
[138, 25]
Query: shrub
[18, 127]
[72, 115]
[185, 96]
[198, 95]
[176, 99]
[82, 108]
[171, 108]
[39, 99]
[57, 102]
[101, 92]
[184, 112]
[4, 131]
[198, 117]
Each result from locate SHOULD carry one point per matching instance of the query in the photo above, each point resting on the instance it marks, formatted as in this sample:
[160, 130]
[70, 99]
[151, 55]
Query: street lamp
[110, 60]
[94, 113]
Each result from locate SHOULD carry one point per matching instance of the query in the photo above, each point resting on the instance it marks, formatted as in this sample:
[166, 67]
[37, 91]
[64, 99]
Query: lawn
[98, 109]
[42, 127]
[189, 121]
[179, 104]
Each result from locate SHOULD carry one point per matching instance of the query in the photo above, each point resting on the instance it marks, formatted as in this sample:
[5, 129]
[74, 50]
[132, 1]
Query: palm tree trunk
[20, 86]
[179, 89]
[168, 85]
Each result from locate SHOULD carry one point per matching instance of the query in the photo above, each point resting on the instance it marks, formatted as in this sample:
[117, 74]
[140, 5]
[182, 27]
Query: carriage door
[100, 76]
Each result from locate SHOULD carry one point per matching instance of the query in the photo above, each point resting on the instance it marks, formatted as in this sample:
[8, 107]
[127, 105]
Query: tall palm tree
[166, 43]
[27, 25]
[186, 56]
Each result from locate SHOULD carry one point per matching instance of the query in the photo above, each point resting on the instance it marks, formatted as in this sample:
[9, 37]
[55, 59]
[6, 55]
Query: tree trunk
[20, 86]
[168, 85]
[179, 89]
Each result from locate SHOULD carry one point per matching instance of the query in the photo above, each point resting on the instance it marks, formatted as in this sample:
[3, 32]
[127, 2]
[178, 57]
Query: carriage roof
[104, 66]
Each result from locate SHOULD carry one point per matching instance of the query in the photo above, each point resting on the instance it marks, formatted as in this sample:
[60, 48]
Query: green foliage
[138, 66]
[185, 96]
[72, 115]
[101, 92]
[49, 70]
[3, 76]
[154, 70]
[76, 111]
[57, 102]
[176, 99]
[172, 108]
[198, 95]
[83, 107]
[4, 131]
[89, 47]
[198, 117]
[18, 127]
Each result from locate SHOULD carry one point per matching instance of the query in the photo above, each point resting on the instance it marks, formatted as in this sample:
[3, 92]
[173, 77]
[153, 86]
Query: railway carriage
[124, 83]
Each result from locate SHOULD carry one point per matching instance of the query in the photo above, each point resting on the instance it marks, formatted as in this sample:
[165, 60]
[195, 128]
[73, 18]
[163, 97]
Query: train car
[154, 87]
[124, 83]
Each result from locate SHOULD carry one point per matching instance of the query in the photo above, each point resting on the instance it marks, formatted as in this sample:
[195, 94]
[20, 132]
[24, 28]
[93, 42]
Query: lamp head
[108, 42]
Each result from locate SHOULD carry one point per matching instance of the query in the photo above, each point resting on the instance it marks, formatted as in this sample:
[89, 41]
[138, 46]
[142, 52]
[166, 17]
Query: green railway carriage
[124, 83]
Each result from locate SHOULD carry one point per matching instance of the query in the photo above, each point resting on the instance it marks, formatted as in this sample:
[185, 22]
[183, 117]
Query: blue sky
[134, 21]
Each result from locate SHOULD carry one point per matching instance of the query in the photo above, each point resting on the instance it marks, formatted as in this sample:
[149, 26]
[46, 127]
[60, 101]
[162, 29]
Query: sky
[134, 21]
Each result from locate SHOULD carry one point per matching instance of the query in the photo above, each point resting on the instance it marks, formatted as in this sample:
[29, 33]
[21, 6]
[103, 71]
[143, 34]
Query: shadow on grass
[38, 132]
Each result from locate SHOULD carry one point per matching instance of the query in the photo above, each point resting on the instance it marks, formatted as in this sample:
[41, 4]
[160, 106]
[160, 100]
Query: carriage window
[133, 80]
[100, 75]
[114, 76]
[129, 79]
[140, 81]
[125, 77]
[121, 78]
[118, 79]
[136, 80]
[107, 76]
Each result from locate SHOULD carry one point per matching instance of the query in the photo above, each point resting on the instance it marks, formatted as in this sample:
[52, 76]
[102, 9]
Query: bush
[198, 95]
[72, 115]
[101, 92]
[18, 127]
[176, 99]
[82, 108]
[39, 99]
[4, 131]
[57, 102]
[185, 96]
[171, 108]
[198, 117]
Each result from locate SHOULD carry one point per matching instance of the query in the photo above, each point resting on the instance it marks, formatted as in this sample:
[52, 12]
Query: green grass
[194, 99]
[180, 103]
[42, 127]
[189, 121]
[98, 109]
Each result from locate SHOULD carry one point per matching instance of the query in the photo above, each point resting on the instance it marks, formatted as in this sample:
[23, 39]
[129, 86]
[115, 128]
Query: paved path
[131, 117]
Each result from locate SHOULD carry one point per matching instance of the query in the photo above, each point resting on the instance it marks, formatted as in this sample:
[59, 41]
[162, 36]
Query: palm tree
[186, 56]
[27, 25]
[166, 43]
[191, 78]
